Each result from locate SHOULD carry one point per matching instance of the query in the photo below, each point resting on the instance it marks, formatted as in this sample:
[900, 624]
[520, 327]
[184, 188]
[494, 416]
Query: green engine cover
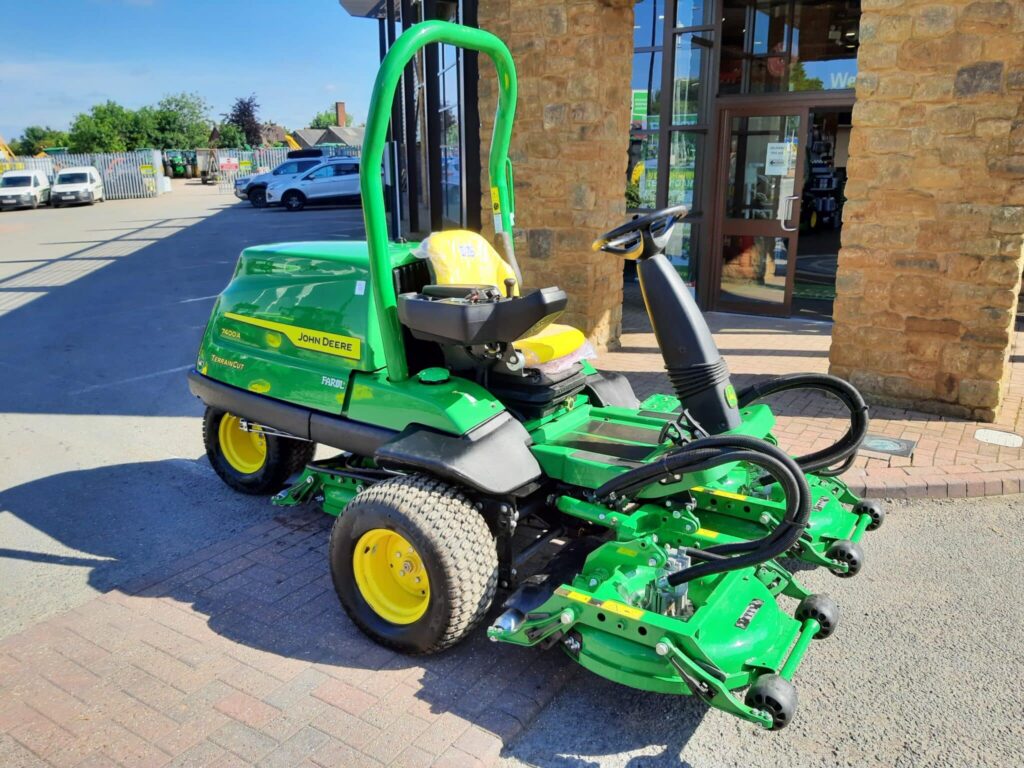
[298, 323]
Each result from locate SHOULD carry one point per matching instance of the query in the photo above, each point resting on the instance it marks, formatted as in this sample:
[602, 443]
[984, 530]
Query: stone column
[930, 267]
[574, 61]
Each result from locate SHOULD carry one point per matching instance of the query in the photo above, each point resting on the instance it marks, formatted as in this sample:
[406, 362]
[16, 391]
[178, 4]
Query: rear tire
[447, 541]
[281, 456]
[293, 201]
[188, 172]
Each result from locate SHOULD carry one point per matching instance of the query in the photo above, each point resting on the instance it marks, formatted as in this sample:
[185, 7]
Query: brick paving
[947, 462]
[241, 655]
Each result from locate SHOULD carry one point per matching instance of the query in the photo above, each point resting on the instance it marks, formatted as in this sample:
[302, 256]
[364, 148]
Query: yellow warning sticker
[577, 596]
[307, 338]
[723, 494]
[707, 534]
[495, 200]
[621, 609]
[627, 551]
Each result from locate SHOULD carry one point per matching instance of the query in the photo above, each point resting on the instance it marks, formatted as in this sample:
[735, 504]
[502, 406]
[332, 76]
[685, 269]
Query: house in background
[340, 134]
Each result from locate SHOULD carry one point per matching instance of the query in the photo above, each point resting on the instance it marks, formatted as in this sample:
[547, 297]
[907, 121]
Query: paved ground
[101, 311]
[924, 670]
[948, 460]
[150, 617]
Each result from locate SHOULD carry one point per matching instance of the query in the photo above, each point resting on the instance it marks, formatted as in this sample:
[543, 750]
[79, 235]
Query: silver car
[254, 188]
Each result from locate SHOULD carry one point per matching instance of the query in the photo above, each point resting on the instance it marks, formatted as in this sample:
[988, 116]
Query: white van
[80, 184]
[23, 189]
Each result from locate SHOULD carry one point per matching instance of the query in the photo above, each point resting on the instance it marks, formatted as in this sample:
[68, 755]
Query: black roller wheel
[874, 509]
[293, 201]
[849, 552]
[414, 564]
[258, 197]
[776, 696]
[251, 461]
[822, 609]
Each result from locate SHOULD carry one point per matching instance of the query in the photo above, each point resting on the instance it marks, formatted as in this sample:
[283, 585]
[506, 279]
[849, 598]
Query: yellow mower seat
[553, 342]
[461, 257]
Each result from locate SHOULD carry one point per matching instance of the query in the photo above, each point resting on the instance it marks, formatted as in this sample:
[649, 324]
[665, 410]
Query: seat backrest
[461, 257]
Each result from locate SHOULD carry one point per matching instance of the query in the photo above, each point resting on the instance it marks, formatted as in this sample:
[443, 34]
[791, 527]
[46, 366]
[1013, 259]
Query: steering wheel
[642, 237]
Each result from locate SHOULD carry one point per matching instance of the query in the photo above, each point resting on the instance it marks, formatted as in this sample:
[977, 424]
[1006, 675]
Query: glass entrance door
[758, 208]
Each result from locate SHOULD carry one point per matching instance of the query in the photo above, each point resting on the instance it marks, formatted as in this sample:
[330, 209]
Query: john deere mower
[474, 434]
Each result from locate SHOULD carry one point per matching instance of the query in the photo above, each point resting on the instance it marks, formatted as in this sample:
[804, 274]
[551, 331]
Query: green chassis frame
[296, 326]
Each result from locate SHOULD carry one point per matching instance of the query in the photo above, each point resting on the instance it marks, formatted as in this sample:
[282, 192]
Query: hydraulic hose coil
[844, 450]
[711, 452]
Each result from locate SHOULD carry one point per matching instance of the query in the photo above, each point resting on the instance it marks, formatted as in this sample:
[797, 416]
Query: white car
[332, 181]
[79, 184]
[254, 188]
[23, 189]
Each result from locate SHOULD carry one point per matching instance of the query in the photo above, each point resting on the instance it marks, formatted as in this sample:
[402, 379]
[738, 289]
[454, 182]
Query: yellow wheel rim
[390, 575]
[246, 452]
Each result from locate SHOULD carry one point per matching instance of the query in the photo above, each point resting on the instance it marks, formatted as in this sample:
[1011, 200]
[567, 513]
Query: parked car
[254, 188]
[81, 184]
[23, 189]
[333, 181]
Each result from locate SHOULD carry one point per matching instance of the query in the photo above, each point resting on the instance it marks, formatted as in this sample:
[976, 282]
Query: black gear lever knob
[510, 284]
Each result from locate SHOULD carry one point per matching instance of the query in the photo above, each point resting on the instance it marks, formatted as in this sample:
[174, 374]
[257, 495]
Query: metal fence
[125, 174]
[141, 173]
[233, 163]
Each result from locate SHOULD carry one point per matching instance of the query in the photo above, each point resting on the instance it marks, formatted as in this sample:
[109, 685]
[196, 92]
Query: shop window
[795, 45]
[642, 171]
[646, 88]
[683, 164]
[451, 145]
[648, 23]
[687, 79]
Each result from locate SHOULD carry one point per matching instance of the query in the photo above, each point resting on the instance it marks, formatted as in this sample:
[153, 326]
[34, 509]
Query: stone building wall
[930, 267]
[569, 145]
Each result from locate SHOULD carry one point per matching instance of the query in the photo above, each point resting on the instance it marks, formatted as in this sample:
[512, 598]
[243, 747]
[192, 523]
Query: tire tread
[460, 536]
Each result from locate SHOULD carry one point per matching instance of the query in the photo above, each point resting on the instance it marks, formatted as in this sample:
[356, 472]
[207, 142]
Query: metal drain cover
[895, 446]
[998, 437]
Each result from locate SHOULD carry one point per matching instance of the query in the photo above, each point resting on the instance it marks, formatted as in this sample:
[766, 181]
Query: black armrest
[461, 291]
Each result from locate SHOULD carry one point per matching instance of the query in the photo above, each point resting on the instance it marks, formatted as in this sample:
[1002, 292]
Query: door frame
[726, 107]
[755, 227]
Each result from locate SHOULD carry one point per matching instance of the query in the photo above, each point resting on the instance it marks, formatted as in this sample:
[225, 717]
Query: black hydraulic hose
[711, 452]
[846, 447]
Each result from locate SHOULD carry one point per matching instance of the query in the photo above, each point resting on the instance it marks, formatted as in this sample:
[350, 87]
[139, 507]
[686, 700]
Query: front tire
[414, 564]
[258, 197]
[293, 201]
[251, 462]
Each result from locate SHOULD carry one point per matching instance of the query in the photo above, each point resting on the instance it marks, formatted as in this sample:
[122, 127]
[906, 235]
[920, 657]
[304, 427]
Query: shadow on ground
[269, 588]
[84, 330]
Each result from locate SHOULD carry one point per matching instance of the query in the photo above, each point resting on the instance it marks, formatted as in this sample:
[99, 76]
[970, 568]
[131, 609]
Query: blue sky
[59, 58]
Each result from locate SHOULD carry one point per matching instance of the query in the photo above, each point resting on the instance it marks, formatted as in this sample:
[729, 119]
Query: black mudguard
[494, 458]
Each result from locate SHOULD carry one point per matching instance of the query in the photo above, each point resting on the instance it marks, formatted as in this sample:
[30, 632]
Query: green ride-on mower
[474, 434]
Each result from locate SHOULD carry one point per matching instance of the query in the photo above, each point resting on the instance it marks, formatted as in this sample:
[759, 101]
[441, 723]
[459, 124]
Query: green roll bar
[371, 186]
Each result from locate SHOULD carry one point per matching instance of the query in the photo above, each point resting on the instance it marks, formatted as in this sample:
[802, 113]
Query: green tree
[231, 136]
[36, 138]
[103, 128]
[244, 114]
[799, 81]
[181, 121]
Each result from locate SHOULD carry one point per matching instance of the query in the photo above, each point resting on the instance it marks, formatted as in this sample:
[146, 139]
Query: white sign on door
[780, 158]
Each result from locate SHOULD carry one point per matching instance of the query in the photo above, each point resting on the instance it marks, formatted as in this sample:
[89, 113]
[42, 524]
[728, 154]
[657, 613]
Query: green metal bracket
[371, 186]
